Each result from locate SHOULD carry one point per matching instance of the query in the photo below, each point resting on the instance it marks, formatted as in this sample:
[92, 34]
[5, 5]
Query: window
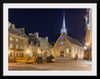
[16, 54]
[11, 38]
[32, 43]
[22, 47]
[21, 40]
[30, 54]
[16, 39]
[10, 54]
[16, 46]
[11, 46]
[67, 50]
[62, 43]
[62, 37]
[21, 54]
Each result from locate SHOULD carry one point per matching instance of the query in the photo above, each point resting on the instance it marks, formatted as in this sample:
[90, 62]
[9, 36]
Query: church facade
[66, 46]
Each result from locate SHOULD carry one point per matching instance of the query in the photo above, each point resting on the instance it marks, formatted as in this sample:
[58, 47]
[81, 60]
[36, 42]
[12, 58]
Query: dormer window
[18, 33]
[32, 43]
[12, 31]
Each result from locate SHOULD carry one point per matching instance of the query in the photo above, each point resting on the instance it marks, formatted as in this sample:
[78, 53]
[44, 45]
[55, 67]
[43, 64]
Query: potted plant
[51, 58]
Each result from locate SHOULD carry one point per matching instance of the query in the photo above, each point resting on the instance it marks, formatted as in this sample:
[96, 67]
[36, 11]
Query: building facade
[21, 45]
[17, 41]
[88, 36]
[38, 45]
[66, 46]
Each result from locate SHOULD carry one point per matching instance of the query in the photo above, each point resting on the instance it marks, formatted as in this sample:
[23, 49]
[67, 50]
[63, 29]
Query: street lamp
[28, 52]
[85, 47]
[87, 44]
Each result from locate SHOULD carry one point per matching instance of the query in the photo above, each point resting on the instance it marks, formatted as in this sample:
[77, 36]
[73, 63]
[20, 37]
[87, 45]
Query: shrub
[50, 58]
[39, 59]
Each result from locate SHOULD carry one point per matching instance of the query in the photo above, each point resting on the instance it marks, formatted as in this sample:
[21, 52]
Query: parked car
[30, 60]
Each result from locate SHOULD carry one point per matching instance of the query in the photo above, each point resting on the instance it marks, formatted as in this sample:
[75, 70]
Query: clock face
[62, 43]
[62, 37]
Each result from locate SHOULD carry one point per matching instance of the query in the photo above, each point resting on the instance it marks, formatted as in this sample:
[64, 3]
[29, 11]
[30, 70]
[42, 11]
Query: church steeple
[63, 29]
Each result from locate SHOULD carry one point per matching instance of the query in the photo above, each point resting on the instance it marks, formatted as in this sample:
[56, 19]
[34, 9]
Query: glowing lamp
[28, 51]
[87, 44]
[85, 47]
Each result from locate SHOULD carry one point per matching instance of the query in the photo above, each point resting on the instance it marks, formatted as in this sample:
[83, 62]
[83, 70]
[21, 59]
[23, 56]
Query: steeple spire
[63, 29]
[64, 20]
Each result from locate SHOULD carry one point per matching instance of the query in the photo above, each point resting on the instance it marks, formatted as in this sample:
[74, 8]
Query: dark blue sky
[48, 22]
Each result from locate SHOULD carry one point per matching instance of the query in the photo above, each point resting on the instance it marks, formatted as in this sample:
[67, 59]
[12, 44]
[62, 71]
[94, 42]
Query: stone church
[66, 46]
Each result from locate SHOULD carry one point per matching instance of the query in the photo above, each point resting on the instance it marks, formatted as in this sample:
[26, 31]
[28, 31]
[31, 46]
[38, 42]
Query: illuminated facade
[21, 45]
[66, 46]
[88, 36]
[17, 41]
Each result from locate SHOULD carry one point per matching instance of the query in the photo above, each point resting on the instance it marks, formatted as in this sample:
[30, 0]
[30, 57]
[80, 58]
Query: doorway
[61, 53]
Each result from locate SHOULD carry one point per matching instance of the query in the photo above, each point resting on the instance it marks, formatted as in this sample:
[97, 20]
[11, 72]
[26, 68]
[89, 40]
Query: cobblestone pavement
[60, 64]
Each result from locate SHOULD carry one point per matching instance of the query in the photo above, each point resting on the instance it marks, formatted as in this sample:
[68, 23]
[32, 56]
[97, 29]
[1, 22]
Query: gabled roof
[74, 41]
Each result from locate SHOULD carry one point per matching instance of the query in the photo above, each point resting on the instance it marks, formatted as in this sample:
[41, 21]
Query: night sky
[48, 22]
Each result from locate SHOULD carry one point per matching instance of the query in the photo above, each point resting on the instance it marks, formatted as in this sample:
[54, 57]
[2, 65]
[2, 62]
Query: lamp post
[28, 52]
[87, 44]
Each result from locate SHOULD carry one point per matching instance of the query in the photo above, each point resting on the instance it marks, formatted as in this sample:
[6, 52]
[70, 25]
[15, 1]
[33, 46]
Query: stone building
[66, 46]
[17, 41]
[88, 36]
[33, 45]
[38, 45]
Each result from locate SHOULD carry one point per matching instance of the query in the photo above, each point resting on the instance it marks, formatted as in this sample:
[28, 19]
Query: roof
[74, 41]
[16, 30]
[32, 38]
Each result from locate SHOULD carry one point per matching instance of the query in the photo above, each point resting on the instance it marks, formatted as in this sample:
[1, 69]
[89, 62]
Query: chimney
[13, 26]
[9, 25]
[22, 30]
[30, 34]
[36, 34]
[46, 38]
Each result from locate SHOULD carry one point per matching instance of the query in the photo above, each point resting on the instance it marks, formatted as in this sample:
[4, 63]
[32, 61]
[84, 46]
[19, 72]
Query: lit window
[16, 46]
[16, 39]
[30, 54]
[62, 37]
[67, 50]
[11, 38]
[62, 43]
[21, 47]
[10, 45]
[31, 42]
